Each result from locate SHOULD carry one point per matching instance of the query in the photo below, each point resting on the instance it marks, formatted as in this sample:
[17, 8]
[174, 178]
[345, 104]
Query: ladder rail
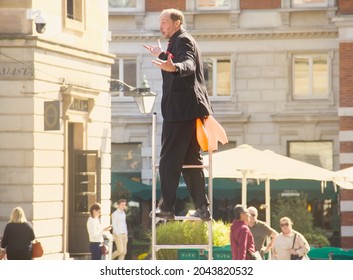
[156, 247]
[154, 184]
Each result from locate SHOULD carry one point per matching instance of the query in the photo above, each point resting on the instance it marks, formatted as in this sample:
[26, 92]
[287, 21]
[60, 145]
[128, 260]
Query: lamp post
[144, 99]
[143, 96]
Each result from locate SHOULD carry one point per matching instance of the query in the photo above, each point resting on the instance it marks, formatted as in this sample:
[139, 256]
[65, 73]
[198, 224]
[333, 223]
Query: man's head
[253, 215]
[241, 213]
[121, 204]
[170, 21]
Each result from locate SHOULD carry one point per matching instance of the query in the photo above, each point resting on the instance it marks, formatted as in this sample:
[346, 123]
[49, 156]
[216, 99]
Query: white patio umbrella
[247, 162]
[344, 178]
[242, 162]
[282, 167]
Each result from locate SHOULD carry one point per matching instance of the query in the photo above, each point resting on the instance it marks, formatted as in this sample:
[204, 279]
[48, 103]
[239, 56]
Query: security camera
[40, 24]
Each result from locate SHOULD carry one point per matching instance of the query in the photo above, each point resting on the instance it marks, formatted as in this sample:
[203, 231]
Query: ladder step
[189, 218]
[191, 166]
[182, 246]
[182, 218]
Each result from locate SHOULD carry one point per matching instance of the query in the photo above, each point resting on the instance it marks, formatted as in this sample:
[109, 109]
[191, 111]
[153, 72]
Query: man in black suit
[184, 100]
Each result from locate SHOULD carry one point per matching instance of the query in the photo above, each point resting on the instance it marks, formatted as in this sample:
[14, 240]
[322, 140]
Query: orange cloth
[201, 135]
[210, 133]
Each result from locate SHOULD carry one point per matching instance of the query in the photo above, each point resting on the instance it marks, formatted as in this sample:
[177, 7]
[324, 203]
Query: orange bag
[37, 249]
[201, 135]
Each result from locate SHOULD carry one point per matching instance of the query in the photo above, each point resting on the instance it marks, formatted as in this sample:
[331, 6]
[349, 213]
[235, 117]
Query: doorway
[84, 188]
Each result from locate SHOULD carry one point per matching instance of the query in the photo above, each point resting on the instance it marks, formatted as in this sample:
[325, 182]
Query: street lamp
[144, 99]
[143, 96]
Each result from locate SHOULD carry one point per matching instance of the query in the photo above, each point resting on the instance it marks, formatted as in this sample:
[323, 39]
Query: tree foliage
[294, 208]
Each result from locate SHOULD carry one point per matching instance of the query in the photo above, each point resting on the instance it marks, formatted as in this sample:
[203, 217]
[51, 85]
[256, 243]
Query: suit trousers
[180, 147]
[121, 246]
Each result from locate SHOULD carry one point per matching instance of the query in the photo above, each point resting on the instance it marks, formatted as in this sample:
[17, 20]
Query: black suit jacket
[184, 92]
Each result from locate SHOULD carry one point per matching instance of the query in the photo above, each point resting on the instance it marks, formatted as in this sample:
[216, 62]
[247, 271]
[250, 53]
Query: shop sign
[9, 71]
[79, 105]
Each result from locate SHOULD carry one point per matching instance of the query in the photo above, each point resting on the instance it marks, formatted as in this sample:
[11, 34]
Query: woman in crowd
[18, 236]
[95, 231]
[289, 242]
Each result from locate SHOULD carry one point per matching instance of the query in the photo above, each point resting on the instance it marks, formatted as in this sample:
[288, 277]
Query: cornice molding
[343, 20]
[238, 35]
[305, 117]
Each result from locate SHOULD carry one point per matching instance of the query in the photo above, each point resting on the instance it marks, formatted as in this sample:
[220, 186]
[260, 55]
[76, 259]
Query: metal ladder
[156, 247]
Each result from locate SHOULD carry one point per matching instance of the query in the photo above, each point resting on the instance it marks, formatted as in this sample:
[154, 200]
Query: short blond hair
[17, 216]
[286, 219]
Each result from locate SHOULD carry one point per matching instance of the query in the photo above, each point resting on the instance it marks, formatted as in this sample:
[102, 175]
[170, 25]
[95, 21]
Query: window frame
[311, 56]
[314, 142]
[121, 72]
[309, 5]
[140, 7]
[75, 23]
[213, 8]
[216, 58]
[135, 148]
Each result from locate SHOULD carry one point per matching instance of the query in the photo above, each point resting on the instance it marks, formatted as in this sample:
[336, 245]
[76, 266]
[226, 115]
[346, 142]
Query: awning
[136, 189]
[230, 188]
[293, 188]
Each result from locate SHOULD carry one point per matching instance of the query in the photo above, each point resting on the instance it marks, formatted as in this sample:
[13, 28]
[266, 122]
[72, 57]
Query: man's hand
[166, 65]
[154, 50]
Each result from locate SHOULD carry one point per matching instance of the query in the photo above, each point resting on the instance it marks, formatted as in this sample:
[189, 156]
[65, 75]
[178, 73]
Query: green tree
[294, 208]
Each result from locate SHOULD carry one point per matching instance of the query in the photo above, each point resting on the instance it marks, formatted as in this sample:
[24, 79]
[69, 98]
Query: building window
[125, 69]
[74, 9]
[126, 5]
[217, 74]
[213, 4]
[126, 158]
[310, 76]
[319, 153]
[74, 15]
[309, 3]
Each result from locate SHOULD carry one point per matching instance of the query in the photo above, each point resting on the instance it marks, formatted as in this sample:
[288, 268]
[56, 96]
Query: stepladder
[156, 220]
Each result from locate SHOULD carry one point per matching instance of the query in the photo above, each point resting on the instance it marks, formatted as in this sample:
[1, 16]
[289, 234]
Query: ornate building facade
[278, 74]
[55, 118]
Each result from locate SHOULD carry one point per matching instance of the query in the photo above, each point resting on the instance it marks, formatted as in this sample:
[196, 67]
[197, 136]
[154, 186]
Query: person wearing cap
[241, 238]
[120, 230]
[261, 231]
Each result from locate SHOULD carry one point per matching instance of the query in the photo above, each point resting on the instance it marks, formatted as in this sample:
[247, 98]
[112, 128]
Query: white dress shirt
[119, 222]
[95, 230]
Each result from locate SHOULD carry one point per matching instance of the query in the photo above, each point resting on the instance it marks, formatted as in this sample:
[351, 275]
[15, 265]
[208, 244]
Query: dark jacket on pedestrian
[17, 240]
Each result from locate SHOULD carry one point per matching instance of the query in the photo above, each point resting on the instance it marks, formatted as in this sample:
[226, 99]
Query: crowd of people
[248, 236]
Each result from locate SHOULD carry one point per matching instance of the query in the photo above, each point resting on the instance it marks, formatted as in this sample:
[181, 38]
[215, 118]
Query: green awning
[229, 188]
[292, 187]
[136, 189]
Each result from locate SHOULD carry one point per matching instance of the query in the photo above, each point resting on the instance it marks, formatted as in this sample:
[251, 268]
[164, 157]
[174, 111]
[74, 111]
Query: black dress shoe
[203, 213]
[163, 214]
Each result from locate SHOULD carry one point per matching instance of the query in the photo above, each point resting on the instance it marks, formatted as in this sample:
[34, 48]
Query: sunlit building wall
[55, 118]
